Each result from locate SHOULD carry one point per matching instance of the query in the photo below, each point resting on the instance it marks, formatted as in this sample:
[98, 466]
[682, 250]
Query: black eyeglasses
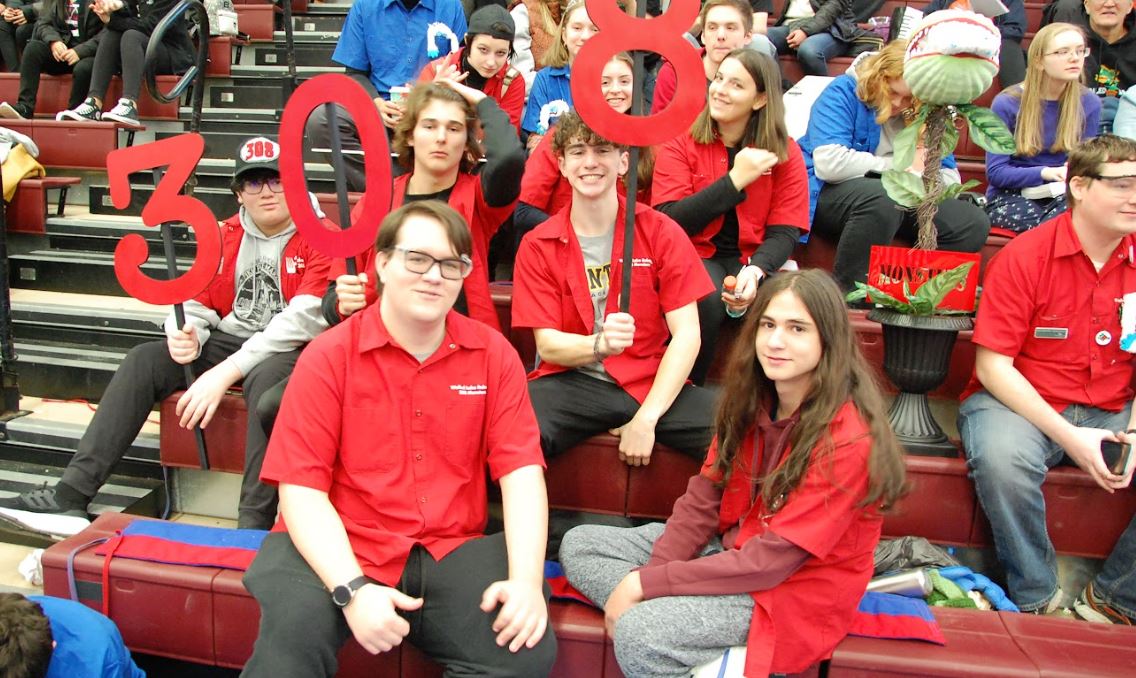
[421, 263]
[255, 186]
[1124, 184]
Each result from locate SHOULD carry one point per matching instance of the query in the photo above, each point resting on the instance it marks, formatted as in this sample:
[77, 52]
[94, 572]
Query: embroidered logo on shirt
[469, 389]
[642, 262]
[294, 264]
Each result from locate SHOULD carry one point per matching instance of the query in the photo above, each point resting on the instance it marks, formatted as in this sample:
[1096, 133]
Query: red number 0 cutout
[181, 153]
[663, 35]
[340, 89]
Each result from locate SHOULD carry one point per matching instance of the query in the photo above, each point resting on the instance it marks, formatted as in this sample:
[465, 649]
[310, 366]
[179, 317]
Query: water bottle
[729, 283]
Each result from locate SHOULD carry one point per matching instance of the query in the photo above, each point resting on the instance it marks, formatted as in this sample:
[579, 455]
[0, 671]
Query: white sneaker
[8, 112]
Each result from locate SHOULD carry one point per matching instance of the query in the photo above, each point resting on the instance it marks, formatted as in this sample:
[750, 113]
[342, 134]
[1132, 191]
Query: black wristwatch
[343, 594]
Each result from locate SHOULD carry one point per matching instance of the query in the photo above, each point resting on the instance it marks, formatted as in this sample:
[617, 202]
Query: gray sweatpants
[662, 636]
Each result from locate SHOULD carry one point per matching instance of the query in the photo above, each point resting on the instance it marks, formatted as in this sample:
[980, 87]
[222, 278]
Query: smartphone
[1116, 456]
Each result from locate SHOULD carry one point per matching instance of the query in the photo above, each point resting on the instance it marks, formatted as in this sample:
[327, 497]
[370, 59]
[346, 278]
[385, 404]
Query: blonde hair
[874, 76]
[1028, 131]
[766, 126]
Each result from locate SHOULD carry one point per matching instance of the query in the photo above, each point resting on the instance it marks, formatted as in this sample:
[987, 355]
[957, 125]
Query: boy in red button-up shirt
[385, 434]
[1053, 374]
[602, 369]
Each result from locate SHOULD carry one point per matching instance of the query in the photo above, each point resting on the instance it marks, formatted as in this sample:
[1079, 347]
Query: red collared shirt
[780, 197]
[550, 289]
[401, 447]
[468, 199]
[801, 620]
[1045, 305]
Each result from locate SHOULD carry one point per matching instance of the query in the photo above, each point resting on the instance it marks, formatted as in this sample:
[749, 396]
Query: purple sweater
[1014, 172]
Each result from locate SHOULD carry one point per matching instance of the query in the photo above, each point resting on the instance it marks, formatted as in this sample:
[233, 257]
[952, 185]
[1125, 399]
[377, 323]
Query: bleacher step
[317, 23]
[102, 232]
[218, 200]
[307, 54]
[64, 370]
[262, 72]
[76, 271]
[231, 114]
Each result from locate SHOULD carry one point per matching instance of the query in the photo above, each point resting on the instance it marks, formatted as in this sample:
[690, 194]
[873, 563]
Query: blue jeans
[813, 53]
[1008, 458]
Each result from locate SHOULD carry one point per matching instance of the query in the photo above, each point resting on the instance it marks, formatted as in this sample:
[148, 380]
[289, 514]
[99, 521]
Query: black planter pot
[917, 358]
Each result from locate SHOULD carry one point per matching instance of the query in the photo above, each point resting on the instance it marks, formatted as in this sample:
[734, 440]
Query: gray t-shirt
[597, 267]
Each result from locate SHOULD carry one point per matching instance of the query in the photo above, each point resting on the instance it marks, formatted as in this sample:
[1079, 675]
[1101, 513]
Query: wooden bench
[55, 90]
[27, 212]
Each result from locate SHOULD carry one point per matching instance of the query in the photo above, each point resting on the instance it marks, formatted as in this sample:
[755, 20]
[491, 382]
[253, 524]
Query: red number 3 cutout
[663, 35]
[340, 89]
[181, 153]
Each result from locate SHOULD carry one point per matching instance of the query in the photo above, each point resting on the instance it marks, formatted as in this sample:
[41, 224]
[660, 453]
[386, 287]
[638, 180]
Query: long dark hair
[841, 375]
[766, 126]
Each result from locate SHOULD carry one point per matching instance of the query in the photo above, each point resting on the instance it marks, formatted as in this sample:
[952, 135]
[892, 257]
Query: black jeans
[572, 407]
[858, 214]
[711, 315]
[37, 61]
[149, 375]
[301, 630]
[125, 52]
[12, 40]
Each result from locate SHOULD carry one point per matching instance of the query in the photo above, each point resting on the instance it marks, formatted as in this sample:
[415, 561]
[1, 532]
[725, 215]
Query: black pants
[37, 61]
[125, 52]
[1011, 63]
[858, 214]
[318, 136]
[711, 315]
[12, 40]
[149, 375]
[572, 407]
[301, 630]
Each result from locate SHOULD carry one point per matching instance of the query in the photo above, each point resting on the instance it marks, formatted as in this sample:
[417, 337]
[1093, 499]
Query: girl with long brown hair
[736, 183]
[772, 544]
[1050, 113]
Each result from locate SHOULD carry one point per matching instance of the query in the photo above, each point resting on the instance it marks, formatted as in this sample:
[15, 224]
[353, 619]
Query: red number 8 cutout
[662, 35]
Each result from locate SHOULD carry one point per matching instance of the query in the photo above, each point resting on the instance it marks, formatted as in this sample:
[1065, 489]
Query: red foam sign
[181, 153]
[890, 267]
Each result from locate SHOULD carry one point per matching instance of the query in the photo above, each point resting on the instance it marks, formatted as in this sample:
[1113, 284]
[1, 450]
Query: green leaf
[987, 129]
[903, 187]
[950, 138]
[903, 146]
[858, 294]
[931, 293]
[953, 190]
[886, 300]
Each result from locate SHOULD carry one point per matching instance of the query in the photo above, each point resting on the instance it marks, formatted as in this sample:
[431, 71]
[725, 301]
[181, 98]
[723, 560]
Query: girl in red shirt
[771, 546]
[737, 184]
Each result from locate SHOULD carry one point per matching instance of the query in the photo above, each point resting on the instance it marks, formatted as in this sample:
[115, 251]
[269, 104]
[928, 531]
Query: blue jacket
[839, 117]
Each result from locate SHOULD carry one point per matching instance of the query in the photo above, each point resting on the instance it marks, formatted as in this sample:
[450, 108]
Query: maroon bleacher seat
[69, 144]
[54, 91]
[28, 210]
[1084, 650]
[256, 19]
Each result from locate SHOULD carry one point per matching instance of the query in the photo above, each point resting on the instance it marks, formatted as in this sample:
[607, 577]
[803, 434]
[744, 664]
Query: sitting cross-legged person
[1053, 378]
[62, 43]
[601, 368]
[248, 326]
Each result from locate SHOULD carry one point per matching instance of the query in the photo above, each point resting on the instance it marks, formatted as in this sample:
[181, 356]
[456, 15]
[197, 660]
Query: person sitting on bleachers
[1110, 62]
[1012, 27]
[771, 545]
[736, 183]
[551, 88]
[1053, 377]
[390, 429]
[602, 369]
[122, 49]
[62, 43]
[17, 26]
[726, 25]
[1050, 114]
[848, 144]
[816, 31]
[536, 22]
[435, 144]
[382, 45]
[484, 62]
[248, 326]
[544, 190]
[47, 637]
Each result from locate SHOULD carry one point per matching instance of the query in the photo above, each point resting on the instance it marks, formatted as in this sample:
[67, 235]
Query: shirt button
[453, 346]
[418, 457]
[418, 413]
[422, 499]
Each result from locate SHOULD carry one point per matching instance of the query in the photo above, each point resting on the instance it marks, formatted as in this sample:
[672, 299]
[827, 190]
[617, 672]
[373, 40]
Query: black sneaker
[40, 510]
[88, 110]
[125, 112]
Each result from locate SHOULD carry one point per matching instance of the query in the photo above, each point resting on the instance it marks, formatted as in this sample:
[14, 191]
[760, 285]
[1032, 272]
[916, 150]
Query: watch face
[341, 596]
